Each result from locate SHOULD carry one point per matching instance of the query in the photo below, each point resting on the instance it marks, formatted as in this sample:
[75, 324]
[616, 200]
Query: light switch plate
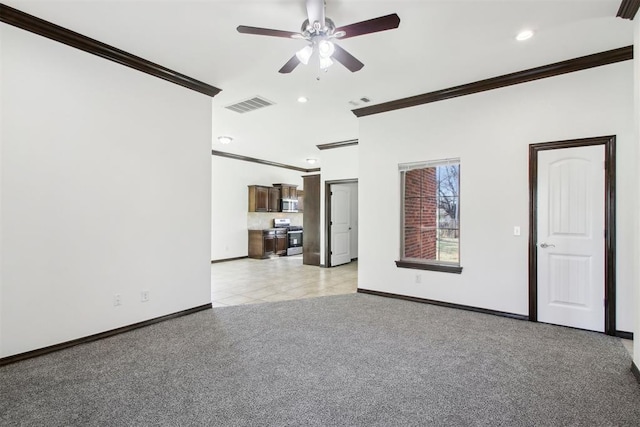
[516, 230]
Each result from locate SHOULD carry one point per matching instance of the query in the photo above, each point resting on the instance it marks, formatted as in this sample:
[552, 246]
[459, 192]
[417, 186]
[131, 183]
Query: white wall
[490, 133]
[230, 201]
[337, 164]
[105, 190]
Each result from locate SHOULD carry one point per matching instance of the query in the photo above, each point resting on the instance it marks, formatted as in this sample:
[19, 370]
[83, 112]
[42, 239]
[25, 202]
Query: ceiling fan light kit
[325, 62]
[304, 54]
[326, 48]
[320, 33]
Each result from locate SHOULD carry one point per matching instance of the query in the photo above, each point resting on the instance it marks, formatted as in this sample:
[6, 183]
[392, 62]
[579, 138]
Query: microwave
[288, 205]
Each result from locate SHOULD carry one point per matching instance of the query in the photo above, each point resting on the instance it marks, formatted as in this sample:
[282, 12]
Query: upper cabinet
[258, 198]
[300, 201]
[274, 199]
[288, 191]
[267, 199]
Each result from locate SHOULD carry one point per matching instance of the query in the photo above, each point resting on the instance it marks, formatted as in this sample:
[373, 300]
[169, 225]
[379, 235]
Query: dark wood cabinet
[281, 242]
[258, 198]
[300, 201]
[264, 199]
[267, 243]
[267, 199]
[288, 191]
[274, 199]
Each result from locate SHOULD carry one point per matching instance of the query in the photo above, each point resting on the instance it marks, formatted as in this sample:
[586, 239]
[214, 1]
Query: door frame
[609, 143]
[327, 216]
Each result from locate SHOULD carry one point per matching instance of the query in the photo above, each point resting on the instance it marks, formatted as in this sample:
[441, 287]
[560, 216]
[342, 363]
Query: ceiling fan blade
[265, 32]
[382, 23]
[315, 11]
[290, 65]
[346, 59]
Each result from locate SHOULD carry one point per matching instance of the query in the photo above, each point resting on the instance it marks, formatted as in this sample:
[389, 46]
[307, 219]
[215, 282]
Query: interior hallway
[253, 281]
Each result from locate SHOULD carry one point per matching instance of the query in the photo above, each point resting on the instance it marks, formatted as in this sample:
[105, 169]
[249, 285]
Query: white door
[571, 237]
[340, 225]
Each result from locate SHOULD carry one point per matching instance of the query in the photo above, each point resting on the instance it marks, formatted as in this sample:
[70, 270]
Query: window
[431, 215]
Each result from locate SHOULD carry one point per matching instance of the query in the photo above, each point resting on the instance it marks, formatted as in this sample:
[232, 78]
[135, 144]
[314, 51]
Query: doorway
[572, 233]
[341, 222]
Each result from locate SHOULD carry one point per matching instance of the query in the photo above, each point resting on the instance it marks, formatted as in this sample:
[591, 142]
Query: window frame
[423, 264]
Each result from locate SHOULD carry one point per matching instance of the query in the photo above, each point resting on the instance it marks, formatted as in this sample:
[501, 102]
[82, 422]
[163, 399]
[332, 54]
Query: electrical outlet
[117, 300]
[144, 296]
[418, 278]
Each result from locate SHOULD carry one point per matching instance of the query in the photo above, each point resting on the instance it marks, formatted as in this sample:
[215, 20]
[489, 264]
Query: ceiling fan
[320, 33]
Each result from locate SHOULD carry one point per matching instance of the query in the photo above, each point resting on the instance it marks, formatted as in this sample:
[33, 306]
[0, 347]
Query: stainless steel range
[294, 235]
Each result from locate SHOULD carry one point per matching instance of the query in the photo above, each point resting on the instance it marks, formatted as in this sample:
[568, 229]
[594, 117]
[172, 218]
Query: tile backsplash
[263, 220]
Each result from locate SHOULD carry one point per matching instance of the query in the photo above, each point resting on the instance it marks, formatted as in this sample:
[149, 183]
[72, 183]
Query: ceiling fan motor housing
[316, 29]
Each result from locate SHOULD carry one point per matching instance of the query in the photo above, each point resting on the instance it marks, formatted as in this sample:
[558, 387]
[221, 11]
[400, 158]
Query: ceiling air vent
[356, 102]
[249, 105]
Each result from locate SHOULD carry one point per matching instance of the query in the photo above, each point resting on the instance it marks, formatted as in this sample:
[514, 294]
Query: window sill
[433, 267]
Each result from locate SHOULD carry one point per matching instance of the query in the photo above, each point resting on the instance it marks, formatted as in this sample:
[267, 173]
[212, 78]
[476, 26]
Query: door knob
[546, 245]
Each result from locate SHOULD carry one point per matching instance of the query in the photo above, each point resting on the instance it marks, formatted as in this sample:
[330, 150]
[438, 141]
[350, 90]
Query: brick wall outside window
[420, 213]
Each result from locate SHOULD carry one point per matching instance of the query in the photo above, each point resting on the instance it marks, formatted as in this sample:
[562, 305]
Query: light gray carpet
[353, 360]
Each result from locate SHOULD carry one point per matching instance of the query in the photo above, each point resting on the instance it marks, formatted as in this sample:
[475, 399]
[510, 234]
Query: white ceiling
[439, 44]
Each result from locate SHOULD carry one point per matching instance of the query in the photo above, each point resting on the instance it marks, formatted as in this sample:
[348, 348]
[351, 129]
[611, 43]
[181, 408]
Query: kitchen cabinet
[274, 199]
[267, 243]
[300, 201]
[258, 198]
[288, 191]
[281, 242]
[264, 199]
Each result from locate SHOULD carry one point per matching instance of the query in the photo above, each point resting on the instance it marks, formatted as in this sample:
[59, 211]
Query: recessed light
[524, 35]
[225, 139]
[302, 99]
[312, 161]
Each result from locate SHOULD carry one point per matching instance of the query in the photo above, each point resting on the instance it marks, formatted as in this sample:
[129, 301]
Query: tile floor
[253, 281]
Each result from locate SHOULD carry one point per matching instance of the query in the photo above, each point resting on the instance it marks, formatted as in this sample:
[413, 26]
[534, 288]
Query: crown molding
[628, 9]
[63, 35]
[339, 144]
[545, 71]
[261, 162]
